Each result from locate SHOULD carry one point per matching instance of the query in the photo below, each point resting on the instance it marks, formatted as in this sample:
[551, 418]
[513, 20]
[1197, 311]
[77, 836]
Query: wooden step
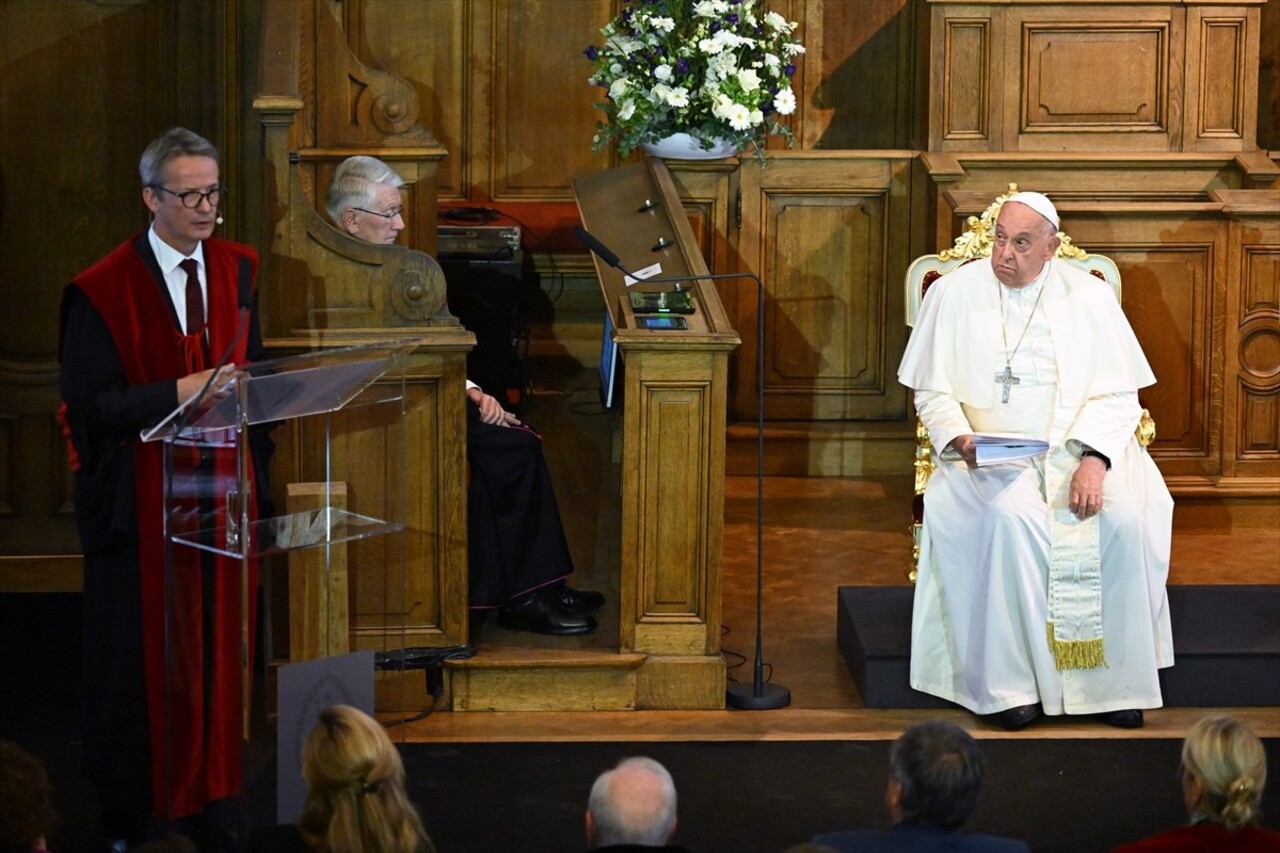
[544, 680]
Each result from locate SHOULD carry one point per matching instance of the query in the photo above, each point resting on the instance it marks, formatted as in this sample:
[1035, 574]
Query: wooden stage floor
[819, 534]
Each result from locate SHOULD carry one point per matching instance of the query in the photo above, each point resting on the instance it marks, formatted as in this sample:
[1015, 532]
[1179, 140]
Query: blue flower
[590, 52]
[731, 18]
[789, 69]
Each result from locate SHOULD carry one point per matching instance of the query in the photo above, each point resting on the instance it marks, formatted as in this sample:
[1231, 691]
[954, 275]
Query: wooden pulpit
[673, 447]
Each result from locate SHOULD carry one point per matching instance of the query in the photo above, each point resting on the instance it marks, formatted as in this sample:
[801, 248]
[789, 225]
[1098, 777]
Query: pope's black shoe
[540, 613]
[1016, 719]
[1130, 718]
[577, 600]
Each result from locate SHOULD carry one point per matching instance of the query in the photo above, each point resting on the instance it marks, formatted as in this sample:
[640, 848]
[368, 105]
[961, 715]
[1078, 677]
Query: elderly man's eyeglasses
[392, 214]
[192, 198]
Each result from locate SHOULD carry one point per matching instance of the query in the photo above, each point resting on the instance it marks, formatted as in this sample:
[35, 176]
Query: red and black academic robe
[172, 739]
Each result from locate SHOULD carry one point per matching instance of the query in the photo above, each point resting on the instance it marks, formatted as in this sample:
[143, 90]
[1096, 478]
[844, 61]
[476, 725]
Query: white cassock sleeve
[943, 416]
[1106, 423]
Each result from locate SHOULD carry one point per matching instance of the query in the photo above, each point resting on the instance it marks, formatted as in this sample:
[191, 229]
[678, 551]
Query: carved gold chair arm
[1146, 431]
[924, 458]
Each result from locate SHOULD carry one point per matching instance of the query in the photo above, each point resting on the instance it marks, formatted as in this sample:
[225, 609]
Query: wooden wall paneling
[1173, 264]
[84, 86]
[426, 44]
[36, 519]
[860, 75]
[358, 105]
[1093, 78]
[1251, 440]
[1221, 78]
[712, 201]
[1268, 123]
[543, 118]
[829, 234]
[478, 112]
[967, 78]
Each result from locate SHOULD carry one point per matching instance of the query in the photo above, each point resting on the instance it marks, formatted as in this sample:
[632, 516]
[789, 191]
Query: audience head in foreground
[364, 201]
[632, 805]
[26, 801]
[356, 798]
[935, 772]
[1224, 769]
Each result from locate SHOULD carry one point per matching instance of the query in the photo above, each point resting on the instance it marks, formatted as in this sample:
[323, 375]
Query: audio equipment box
[489, 242]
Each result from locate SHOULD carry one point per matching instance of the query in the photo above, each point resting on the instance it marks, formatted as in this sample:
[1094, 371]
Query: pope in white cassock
[1041, 582]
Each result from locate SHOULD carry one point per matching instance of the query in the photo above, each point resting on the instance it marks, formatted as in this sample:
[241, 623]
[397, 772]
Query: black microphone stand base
[746, 697]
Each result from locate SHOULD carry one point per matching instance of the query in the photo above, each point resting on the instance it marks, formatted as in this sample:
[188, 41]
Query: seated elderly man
[632, 808]
[517, 552]
[1042, 581]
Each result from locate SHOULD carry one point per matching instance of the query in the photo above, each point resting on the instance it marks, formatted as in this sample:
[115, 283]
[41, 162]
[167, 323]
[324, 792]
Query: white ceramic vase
[682, 146]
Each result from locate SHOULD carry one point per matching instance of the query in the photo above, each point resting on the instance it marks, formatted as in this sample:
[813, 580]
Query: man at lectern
[1041, 581]
[141, 331]
[517, 552]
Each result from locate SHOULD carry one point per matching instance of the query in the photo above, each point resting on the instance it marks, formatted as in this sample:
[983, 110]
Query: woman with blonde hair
[356, 800]
[1224, 769]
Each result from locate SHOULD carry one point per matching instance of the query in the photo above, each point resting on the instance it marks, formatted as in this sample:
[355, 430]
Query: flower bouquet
[717, 70]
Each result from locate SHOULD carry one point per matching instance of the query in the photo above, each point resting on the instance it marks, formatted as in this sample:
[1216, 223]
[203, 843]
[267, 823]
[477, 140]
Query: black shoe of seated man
[1130, 718]
[539, 613]
[577, 600]
[1016, 719]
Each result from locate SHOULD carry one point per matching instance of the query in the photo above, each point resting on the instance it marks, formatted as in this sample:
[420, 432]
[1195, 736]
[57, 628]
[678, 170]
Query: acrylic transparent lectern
[219, 530]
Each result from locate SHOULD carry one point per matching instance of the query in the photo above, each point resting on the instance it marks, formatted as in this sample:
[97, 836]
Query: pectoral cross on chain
[1008, 380]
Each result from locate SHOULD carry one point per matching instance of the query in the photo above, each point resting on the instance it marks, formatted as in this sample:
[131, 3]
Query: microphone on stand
[759, 695]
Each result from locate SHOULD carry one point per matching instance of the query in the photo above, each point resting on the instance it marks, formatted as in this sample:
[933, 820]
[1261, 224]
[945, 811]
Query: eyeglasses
[192, 198]
[395, 211]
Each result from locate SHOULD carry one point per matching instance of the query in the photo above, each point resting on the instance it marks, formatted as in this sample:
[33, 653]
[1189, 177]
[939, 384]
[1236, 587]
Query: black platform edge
[1226, 641]
[873, 629]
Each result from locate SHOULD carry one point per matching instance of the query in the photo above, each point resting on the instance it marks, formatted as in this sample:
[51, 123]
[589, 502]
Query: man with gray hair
[632, 807]
[364, 200]
[935, 771]
[1042, 580]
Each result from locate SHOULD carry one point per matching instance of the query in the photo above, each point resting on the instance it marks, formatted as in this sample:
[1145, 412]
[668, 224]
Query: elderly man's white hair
[634, 803]
[353, 183]
[1039, 202]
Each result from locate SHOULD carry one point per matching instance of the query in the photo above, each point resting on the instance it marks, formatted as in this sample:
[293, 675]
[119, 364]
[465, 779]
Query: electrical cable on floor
[725, 631]
[435, 700]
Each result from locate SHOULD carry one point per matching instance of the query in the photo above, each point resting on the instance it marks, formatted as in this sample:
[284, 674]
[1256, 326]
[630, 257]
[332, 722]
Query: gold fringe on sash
[1076, 654]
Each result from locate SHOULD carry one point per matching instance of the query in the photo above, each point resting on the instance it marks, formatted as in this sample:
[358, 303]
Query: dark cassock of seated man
[1041, 582]
[517, 554]
[141, 331]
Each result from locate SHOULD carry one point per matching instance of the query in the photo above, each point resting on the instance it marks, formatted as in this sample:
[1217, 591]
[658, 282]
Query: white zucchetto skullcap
[1039, 203]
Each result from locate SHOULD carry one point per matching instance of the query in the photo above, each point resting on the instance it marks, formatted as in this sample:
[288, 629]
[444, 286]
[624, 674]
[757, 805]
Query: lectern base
[744, 697]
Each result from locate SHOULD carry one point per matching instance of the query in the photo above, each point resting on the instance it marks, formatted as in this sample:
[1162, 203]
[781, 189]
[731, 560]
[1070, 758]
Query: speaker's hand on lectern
[192, 383]
[491, 411]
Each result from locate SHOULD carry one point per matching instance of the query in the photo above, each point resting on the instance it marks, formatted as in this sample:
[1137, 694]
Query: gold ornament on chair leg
[924, 469]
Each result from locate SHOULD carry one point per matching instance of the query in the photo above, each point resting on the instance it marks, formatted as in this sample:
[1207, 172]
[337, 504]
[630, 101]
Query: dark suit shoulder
[908, 839]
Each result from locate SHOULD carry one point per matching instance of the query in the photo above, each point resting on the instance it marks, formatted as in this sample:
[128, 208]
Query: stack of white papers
[994, 449]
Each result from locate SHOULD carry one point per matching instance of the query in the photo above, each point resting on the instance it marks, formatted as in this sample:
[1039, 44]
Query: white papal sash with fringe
[1074, 629]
